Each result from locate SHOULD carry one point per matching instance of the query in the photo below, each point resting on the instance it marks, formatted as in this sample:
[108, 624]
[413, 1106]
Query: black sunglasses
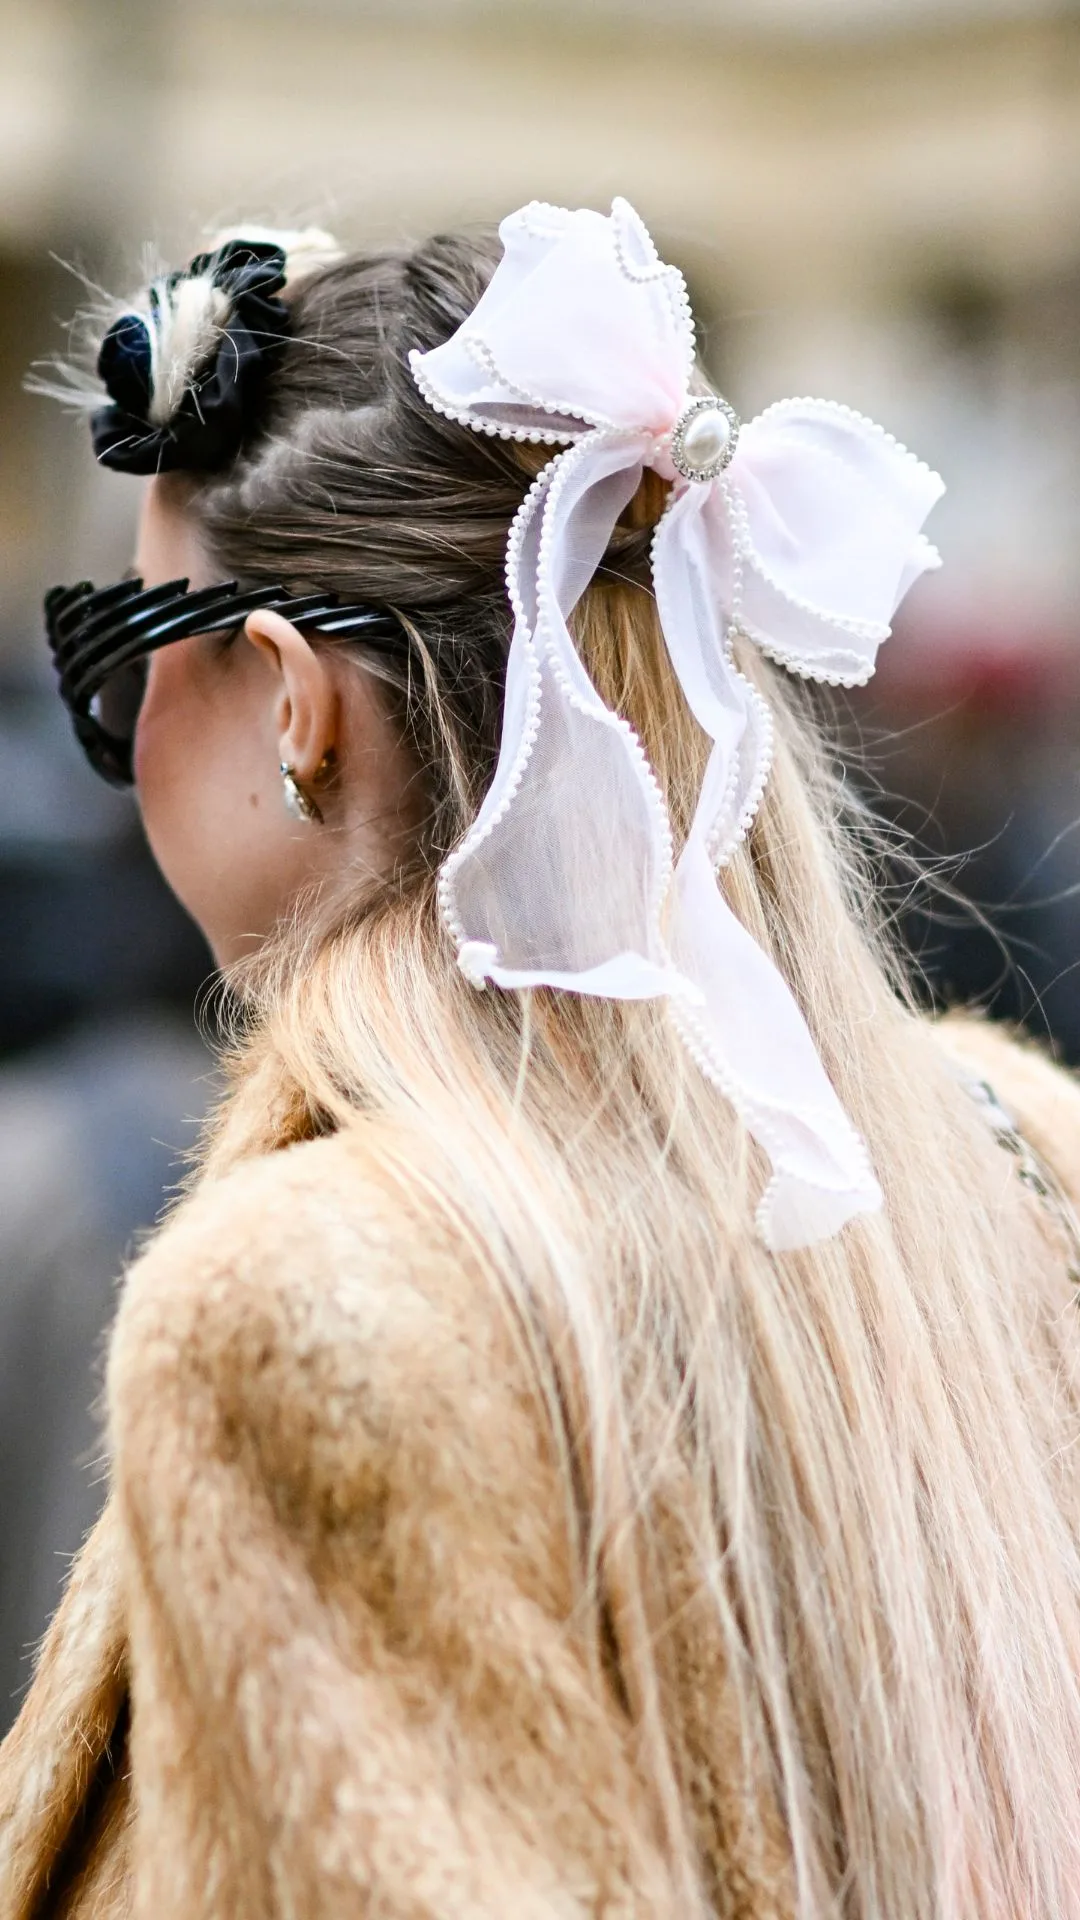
[100, 638]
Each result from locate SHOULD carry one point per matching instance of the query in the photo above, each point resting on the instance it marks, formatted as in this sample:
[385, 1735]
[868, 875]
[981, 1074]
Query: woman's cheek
[209, 794]
[179, 760]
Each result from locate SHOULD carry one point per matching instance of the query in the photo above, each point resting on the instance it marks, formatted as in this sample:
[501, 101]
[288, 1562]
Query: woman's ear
[306, 700]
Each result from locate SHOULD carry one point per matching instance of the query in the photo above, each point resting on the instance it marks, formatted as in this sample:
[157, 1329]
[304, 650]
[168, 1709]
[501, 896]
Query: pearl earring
[299, 804]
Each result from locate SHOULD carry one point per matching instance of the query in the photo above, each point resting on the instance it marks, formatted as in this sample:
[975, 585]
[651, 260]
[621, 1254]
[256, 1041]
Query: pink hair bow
[799, 530]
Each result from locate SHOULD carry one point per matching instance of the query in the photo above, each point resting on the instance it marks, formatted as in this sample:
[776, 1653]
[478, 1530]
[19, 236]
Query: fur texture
[333, 1583]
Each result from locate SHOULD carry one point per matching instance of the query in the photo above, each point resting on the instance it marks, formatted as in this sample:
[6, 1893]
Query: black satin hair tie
[220, 404]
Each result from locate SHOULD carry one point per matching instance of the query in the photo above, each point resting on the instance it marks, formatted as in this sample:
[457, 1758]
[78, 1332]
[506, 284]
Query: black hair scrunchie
[220, 406]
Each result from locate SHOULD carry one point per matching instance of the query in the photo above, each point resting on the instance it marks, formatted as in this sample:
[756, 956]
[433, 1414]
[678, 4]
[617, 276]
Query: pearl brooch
[704, 438]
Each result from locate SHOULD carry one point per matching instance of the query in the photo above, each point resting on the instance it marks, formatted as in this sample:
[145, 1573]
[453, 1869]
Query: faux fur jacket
[315, 1660]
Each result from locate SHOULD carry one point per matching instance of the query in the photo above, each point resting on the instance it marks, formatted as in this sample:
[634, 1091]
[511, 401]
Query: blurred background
[874, 200]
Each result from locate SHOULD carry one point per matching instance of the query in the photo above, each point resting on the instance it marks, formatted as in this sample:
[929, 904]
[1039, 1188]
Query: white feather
[185, 324]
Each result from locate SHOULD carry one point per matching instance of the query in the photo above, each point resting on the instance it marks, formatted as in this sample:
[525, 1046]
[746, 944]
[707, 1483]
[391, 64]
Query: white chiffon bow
[804, 542]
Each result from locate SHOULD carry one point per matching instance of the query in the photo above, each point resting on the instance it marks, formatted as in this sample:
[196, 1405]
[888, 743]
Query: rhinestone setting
[704, 438]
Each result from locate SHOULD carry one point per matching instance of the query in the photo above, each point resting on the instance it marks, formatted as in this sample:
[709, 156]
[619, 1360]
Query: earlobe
[306, 704]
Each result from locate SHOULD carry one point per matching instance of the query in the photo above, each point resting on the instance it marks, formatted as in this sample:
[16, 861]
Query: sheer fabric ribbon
[805, 544]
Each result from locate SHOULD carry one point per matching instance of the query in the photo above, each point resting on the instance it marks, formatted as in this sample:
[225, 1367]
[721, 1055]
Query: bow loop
[581, 326]
[826, 519]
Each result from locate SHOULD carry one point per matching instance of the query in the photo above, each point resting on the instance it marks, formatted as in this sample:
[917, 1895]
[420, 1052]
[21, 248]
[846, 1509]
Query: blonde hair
[824, 1506]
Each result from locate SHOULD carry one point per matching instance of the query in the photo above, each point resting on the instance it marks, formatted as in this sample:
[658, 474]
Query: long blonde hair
[823, 1505]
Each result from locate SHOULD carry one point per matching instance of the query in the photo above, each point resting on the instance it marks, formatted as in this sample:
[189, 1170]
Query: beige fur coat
[315, 1660]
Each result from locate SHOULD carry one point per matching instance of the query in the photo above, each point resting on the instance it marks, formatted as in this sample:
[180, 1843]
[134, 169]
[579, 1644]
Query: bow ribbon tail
[740, 1019]
[562, 879]
[750, 1038]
